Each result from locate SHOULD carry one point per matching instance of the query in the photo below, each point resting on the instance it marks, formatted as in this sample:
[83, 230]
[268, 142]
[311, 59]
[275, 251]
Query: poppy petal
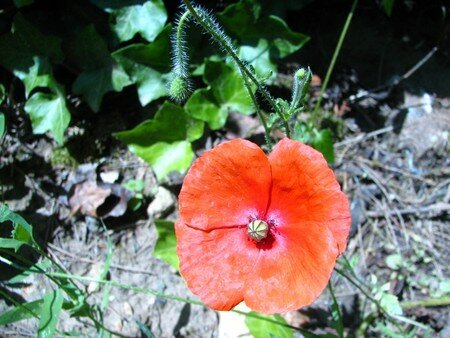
[215, 264]
[305, 190]
[227, 186]
[294, 271]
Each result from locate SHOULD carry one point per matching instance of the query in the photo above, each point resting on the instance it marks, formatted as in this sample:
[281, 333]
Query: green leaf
[202, 105]
[168, 125]
[89, 52]
[49, 314]
[42, 265]
[2, 125]
[48, 112]
[22, 3]
[134, 185]
[226, 92]
[87, 49]
[323, 142]
[394, 261]
[21, 312]
[2, 93]
[26, 52]
[166, 157]
[391, 304]
[10, 243]
[302, 132]
[132, 17]
[166, 245]
[148, 66]
[22, 230]
[228, 87]
[388, 5]
[24, 43]
[147, 19]
[92, 85]
[164, 141]
[260, 328]
[259, 57]
[240, 22]
[39, 75]
[263, 39]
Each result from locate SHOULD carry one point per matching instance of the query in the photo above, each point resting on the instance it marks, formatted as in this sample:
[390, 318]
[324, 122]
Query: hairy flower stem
[259, 113]
[180, 68]
[209, 26]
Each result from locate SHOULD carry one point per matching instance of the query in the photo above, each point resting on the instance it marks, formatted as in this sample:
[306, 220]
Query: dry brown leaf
[87, 197]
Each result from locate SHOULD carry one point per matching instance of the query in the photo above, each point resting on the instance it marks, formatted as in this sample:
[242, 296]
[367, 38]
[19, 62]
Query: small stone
[109, 176]
[161, 204]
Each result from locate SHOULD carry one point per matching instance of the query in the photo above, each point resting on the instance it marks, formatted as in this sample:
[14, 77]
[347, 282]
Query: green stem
[259, 113]
[57, 281]
[333, 61]
[24, 306]
[364, 292]
[339, 324]
[430, 302]
[140, 290]
[206, 23]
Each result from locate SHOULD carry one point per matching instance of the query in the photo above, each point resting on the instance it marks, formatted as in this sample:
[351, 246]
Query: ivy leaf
[132, 17]
[260, 328]
[40, 75]
[87, 49]
[89, 52]
[24, 43]
[166, 157]
[26, 53]
[48, 112]
[148, 66]
[323, 142]
[228, 87]
[263, 39]
[92, 85]
[239, 20]
[166, 245]
[225, 92]
[203, 105]
[388, 5]
[164, 141]
[22, 3]
[259, 57]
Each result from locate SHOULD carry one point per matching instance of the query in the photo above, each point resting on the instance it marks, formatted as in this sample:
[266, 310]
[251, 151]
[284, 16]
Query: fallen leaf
[87, 197]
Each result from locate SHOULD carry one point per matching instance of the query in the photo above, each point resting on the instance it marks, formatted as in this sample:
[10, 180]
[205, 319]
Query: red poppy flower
[266, 230]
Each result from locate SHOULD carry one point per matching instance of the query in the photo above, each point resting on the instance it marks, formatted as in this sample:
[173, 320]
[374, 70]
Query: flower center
[257, 230]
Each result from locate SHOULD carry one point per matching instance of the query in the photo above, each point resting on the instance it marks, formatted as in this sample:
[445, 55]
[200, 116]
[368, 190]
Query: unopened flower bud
[179, 88]
[301, 73]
